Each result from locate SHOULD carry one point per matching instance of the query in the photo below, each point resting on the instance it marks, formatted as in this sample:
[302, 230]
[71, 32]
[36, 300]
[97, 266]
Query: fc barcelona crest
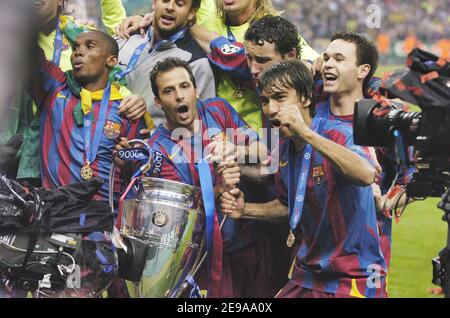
[318, 174]
[112, 129]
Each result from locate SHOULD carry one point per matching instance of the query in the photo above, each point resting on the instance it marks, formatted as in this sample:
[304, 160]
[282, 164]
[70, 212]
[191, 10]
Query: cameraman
[347, 66]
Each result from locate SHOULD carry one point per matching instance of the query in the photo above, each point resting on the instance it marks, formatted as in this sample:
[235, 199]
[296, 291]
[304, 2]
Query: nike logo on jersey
[174, 154]
[61, 96]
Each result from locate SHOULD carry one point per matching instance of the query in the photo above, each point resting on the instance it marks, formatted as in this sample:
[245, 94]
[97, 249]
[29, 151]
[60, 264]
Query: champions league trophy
[162, 229]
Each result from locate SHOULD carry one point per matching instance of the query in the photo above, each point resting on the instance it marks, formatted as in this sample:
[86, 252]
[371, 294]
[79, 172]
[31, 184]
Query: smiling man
[324, 188]
[169, 36]
[349, 63]
[80, 123]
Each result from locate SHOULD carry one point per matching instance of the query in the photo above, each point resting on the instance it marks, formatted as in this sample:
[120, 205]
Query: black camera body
[384, 122]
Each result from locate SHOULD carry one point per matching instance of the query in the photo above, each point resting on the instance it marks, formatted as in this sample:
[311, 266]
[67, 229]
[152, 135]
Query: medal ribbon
[58, 44]
[91, 145]
[299, 200]
[231, 36]
[213, 237]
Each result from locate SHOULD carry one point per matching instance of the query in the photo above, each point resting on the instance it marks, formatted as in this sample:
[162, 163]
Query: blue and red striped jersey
[229, 57]
[337, 237]
[62, 139]
[217, 117]
[387, 158]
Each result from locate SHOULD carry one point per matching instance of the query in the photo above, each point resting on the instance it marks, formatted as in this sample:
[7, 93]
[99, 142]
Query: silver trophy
[164, 231]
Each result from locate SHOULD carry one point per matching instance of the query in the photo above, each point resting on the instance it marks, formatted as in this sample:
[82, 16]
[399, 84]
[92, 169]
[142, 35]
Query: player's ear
[292, 54]
[112, 61]
[305, 102]
[363, 71]
[158, 103]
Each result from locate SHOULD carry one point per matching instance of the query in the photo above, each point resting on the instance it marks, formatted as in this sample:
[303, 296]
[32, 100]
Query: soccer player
[267, 41]
[80, 124]
[23, 116]
[169, 36]
[349, 62]
[203, 125]
[324, 187]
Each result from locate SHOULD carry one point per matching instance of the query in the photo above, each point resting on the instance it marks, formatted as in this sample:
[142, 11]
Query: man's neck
[49, 26]
[96, 86]
[240, 18]
[159, 35]
[193, 128]
[344, 104]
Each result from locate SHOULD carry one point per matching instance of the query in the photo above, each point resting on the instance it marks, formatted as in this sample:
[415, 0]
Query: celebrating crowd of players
[314, 227]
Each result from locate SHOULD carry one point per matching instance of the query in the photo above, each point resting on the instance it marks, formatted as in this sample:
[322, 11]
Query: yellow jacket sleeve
[308, 53]
[113, 13]
[206, 11]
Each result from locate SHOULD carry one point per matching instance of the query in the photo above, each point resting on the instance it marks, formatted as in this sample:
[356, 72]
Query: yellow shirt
[248, 106]
[207, 9]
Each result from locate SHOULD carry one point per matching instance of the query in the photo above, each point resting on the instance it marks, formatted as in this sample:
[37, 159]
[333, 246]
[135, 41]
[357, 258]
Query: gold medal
[290, 239]
[86, 172]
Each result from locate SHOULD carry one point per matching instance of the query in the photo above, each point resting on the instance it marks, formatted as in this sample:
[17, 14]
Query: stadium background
[420, 233]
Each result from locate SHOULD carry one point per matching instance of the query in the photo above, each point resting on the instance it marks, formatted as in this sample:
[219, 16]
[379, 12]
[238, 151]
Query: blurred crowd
[429, 20]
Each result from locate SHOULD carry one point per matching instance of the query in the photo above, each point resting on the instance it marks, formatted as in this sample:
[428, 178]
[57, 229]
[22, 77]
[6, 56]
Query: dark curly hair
[277, 30]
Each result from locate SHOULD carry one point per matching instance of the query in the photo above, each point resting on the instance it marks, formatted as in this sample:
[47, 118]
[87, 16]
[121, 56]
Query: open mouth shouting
[183, 112]
[275, 123]
[167, 19]
[329, 79]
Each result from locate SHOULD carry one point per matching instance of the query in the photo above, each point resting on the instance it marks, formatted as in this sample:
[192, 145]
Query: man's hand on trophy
[231, 174]
[220, 149]
[232, 203]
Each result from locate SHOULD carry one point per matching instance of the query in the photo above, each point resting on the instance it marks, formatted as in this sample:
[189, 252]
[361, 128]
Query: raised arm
[113, 13]
[204, 37]
[349, 164]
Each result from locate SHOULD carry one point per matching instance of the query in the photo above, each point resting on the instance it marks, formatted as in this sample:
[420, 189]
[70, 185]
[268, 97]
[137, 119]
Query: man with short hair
[349, 63]
[169, 36]
[205, 125]
[324, 187]
[23, 116]
[80, 124]
[267, 41]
